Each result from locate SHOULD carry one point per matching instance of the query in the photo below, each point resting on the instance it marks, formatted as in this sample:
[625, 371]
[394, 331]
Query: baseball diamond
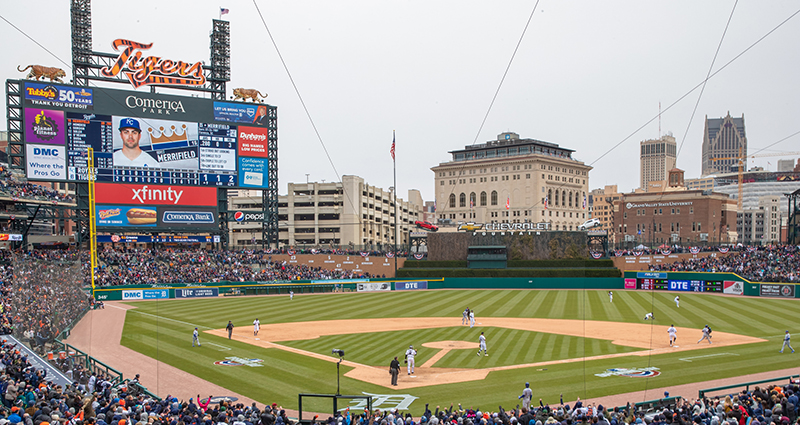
[558, 340]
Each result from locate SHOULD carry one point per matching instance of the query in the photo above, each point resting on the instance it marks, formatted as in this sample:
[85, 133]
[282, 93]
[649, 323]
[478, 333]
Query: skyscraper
[722, 138]
[657, 157]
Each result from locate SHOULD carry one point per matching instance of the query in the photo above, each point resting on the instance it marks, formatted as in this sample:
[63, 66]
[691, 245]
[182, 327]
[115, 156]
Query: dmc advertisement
[46, 162]
[145, 294]
[140, 137]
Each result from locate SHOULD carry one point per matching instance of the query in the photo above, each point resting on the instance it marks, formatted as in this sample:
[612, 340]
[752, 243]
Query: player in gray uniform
[786, 341]
[527, 393]
[482, 345]
[465, 316]
[410, 353]
[195, 338]
[706, 335]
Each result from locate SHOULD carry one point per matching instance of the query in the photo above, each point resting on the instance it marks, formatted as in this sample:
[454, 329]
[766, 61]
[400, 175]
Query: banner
[374, 286]
[196, 292]
[137, 194]
[783, 291]
[733, 287]
[407, 286]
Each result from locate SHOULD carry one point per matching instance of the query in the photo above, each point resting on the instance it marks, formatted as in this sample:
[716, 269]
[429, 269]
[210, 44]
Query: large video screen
[143, 138]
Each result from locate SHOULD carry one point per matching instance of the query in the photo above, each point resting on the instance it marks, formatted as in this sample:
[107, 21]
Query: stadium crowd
[765, 264]
[11, 187]
[161, 266]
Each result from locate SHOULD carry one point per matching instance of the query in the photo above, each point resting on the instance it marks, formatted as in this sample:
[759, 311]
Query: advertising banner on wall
[46, 162]
[196, 292]
[407, 286]
[733, 287]
[374, 286]
[771, 290]
[145, 294]
[138, 194]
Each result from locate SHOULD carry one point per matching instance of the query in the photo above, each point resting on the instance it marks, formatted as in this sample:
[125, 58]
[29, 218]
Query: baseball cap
[129, 123]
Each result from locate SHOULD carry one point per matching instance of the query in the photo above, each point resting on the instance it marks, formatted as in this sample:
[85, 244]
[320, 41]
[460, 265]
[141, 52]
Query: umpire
[394, 370]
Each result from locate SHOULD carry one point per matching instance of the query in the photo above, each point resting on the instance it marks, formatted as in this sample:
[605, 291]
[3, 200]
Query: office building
[512, 180]
[656, 158]
[724, 141]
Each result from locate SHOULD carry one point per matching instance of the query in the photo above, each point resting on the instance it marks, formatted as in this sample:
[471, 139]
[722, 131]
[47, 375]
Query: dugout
[334, 399]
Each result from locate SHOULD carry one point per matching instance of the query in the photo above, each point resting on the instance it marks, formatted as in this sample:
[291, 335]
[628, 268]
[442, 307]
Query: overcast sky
[586, 75]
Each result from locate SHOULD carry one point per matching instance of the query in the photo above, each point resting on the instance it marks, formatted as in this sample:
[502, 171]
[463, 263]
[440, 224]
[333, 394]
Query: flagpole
[396, 230]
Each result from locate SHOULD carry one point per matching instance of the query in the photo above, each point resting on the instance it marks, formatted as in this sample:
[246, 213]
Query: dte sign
[679, 285]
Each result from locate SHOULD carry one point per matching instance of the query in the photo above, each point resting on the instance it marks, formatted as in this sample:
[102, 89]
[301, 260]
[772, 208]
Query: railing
[746, 385]
[89, 362]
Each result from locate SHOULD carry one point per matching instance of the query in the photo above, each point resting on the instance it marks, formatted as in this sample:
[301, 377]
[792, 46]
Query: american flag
[508, 202]
[471, 203]
[223, 11]
[545, 202]
[392, 149]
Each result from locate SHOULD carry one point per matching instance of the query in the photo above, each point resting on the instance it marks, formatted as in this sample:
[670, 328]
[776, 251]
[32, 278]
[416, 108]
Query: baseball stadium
[159, 310]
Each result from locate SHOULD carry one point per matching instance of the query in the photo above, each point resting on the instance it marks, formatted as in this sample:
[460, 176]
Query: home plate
[413, 376]
[676, 346]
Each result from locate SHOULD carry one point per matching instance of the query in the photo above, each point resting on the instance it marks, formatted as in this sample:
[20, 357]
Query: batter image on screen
[131, 154]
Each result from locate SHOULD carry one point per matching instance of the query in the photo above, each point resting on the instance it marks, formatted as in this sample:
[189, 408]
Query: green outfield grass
[162, 330]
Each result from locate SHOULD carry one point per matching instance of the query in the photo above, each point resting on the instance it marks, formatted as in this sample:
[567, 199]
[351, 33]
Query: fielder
[256, 327]
[673, 334]
[195, 338]
[482, 345]
[410, 353]
[649, 316]
[526, 396]
[678, 301]
[291, 295]
[465, 316]
[786, 339]
[706, 335]
[610, 297]
[471, 318]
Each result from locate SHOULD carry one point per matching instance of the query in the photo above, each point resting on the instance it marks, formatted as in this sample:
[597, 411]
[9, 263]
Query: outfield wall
[722, 283]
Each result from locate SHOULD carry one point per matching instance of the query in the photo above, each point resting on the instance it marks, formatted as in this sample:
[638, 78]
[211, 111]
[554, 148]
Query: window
[494, 197]
[462, 200]
[452, 200]
[483, 199]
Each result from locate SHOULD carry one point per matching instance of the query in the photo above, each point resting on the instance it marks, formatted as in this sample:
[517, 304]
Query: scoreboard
[182, 140]
[659, 281]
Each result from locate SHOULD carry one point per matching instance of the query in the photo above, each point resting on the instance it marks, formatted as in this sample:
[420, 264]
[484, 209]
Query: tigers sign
[142, 71]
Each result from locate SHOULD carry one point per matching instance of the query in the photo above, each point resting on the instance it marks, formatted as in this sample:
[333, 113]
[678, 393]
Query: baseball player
[465, 316]
[706, 335]
[649, 316]
[678, 301]
[471, 318]
[786, 339]
[195, 338]
[482, 345]
[673, 334]
[410, 353]
[527, 393]
[229, 328]
[610, 297]
[256, 327]
[291, 295]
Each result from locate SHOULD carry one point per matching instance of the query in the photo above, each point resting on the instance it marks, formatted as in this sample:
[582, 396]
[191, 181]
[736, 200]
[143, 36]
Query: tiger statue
[38, 71]
[244, 94]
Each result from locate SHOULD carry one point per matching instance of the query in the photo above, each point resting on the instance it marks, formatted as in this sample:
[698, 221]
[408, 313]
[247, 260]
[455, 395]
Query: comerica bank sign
[658, 204]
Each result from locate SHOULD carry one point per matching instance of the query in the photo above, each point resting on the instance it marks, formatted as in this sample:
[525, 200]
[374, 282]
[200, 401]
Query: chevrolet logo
[470, 227]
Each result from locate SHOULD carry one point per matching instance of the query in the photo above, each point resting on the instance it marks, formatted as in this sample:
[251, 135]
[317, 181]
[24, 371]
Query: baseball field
[560, 341]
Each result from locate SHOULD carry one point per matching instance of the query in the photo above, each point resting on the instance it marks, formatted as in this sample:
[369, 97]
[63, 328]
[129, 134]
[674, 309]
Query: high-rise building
[657, 157]
[724, 142]
[513, 180]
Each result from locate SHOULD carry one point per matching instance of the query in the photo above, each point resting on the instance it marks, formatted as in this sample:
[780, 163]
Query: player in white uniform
[649, 316]
[482, 345]
[526, 396]
[291, 295]
[678, 301]
[673, 334]
[410, 353]
[786, 341]
[471, 318]
[256, 327]
[610, 297]
[195, 338]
